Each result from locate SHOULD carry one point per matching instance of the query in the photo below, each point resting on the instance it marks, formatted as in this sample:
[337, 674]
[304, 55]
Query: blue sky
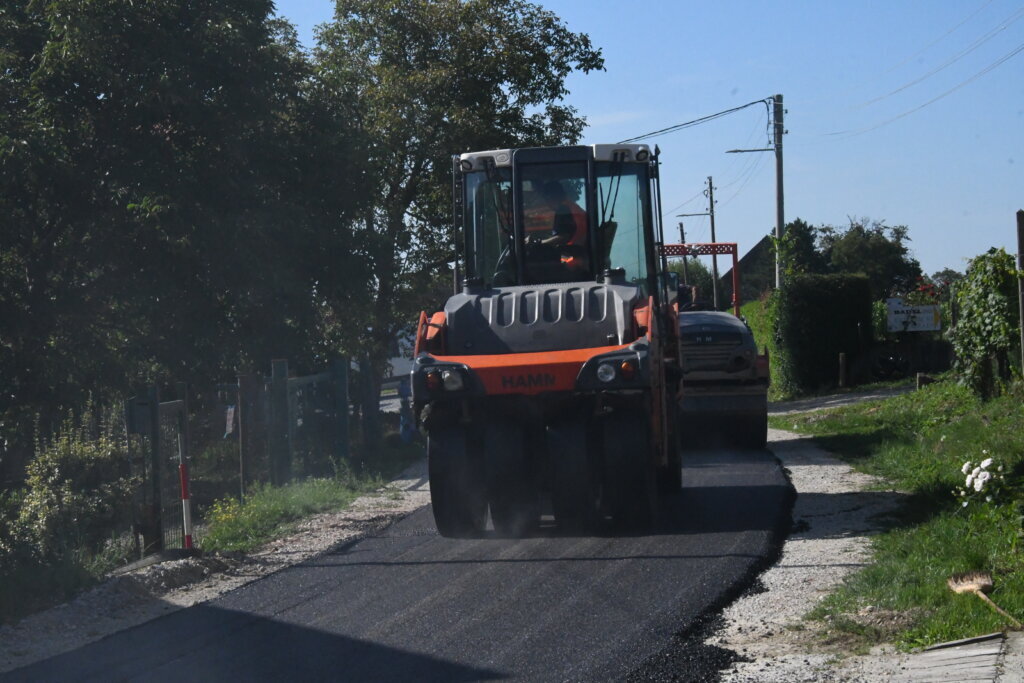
[952, 171]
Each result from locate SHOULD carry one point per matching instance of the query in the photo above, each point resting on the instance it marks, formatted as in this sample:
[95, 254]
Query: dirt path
[835, 400]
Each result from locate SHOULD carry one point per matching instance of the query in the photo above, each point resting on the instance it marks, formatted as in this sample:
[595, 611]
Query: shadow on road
[227, 645]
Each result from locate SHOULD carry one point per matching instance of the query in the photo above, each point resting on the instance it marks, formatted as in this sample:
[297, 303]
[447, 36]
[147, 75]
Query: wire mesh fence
[219, 441]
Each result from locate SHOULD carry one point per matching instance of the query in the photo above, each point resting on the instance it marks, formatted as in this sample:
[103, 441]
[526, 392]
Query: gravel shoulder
[833, 519]
[131, 599]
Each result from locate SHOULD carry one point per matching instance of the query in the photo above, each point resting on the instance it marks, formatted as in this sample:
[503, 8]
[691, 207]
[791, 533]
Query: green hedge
[760, 316]
[817, 317]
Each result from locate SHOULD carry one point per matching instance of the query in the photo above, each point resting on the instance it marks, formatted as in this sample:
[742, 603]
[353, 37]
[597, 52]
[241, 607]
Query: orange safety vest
[579, 236]
[541, 219]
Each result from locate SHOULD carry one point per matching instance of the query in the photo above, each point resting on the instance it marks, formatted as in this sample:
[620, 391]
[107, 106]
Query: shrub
[986, 333]
[817, 317]
[78, 489]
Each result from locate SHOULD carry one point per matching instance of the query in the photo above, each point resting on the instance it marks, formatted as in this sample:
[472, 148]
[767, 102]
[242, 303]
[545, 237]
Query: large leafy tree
[170, 196]
[876, 250]
[422, 80]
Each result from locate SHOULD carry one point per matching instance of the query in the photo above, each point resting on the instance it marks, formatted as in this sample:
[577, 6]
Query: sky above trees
[952, 171]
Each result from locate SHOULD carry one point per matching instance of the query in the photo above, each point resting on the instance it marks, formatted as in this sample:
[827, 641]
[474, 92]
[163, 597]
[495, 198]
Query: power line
[952, 60]
[676, 208]
[990, 67]
[940, 38]
[694, 122]
[750, 176]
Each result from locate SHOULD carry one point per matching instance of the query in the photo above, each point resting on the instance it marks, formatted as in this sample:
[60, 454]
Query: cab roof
[633, 153]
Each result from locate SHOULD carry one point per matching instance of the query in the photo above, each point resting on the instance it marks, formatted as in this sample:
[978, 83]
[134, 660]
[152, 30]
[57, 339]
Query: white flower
[988, 499]
[979, 484]
[984, 451]
[964, 504]
[942, 438]
[970, 479]
[985, 463]
[1000, 469]
[976, 471]
[968, 466]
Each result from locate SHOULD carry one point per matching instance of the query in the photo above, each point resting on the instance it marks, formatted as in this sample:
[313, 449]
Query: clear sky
[952, 171]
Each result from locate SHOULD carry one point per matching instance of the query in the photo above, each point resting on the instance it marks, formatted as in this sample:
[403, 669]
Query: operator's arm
[563, 229]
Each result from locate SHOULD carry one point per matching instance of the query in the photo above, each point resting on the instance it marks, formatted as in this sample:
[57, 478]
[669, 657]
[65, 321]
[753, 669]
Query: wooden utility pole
[1020, 280]
[780, 213]
[682, 240]
[714, 257]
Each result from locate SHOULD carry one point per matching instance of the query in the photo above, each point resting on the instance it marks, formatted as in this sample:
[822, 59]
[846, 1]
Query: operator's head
[553, 192]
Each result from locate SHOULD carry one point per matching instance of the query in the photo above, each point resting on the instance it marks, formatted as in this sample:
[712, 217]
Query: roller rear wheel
[511, 485]
[575, 481]
[630, 473]
[457, 487]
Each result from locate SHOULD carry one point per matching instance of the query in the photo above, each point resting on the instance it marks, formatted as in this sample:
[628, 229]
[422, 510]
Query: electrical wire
[990, 67]
[745, 165]
[940, 38]
[952, 60]
[750, 176]
[694, 122]
[676, 208]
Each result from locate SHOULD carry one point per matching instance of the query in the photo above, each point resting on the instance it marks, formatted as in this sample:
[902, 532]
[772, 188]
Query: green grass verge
[918, 443]
[269, 512]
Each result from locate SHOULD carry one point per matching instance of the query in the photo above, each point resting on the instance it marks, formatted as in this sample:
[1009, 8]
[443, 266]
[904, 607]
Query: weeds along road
[406, 604]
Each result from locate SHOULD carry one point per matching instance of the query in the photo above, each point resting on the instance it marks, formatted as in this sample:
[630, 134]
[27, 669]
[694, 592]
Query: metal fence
[208, 443]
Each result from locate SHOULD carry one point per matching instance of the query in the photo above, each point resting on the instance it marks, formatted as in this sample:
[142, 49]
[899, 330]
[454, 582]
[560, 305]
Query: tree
[171, 197]
[697, 274]
[800, 250]
[423, 80]
[874, 249]
[986, 337]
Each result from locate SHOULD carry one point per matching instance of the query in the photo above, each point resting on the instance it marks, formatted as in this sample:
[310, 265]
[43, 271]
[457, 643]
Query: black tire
[629, 470]
[670, 477]
[511, 487]
[575, 480]
[757, 430]
[457, 489]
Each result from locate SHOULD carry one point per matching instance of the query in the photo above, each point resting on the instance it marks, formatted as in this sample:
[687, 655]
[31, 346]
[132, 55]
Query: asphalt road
[409, 605]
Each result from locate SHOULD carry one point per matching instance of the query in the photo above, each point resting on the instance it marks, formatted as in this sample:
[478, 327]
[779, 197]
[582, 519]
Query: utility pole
[780, 213]
[682, 240]
[714, 257]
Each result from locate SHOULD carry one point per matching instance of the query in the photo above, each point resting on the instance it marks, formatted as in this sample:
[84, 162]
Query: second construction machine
[548, 380]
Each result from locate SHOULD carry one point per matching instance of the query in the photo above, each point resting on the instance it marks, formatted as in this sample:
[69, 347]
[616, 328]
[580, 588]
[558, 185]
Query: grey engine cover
[535, 318]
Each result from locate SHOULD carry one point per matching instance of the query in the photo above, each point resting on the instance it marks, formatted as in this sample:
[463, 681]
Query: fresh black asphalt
[408, 605]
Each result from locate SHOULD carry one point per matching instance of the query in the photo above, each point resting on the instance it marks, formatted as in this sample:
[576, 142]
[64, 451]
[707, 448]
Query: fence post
[339, 373]
[153, 534]
[279, 465]
[370, 398]
[246, 406]
[1020, 281]
[183, 439]
[842, 370]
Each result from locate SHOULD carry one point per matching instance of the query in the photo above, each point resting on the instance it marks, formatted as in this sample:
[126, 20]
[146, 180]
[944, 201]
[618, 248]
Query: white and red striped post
[186, 505]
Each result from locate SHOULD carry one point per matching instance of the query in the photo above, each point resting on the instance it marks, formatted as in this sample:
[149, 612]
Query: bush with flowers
[985, 481]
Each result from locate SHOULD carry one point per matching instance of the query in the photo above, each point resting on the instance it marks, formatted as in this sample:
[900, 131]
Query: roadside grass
[270, 512]
[918, 442]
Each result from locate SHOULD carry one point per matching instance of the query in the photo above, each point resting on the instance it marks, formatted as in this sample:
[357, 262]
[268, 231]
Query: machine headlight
[452, 380]
[606, 372]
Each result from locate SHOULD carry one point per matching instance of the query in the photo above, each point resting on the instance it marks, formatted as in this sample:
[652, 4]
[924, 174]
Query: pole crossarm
[701, 249]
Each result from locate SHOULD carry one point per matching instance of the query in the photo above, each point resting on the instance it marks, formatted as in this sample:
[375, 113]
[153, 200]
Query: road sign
[912, 318]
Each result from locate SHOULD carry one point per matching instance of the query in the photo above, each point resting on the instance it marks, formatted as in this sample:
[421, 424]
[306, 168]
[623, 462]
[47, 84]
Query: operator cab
[557, 215]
